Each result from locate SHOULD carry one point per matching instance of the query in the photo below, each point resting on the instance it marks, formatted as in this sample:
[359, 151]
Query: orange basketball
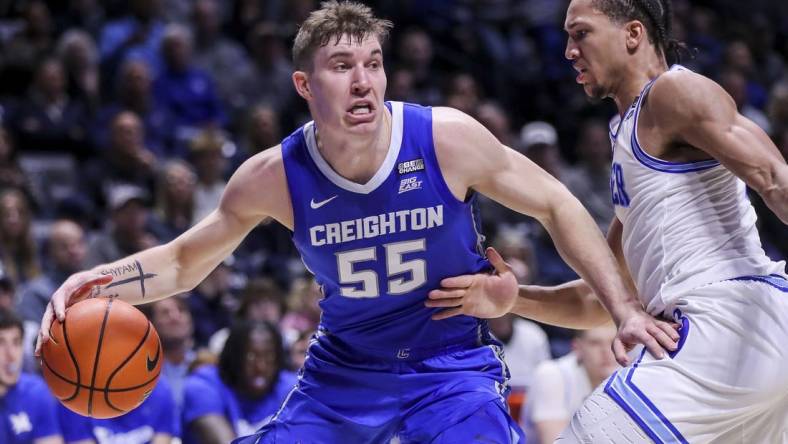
[103, 360]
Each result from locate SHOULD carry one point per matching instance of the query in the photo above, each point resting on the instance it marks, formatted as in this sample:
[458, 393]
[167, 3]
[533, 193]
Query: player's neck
[355, 157]
[635, 79]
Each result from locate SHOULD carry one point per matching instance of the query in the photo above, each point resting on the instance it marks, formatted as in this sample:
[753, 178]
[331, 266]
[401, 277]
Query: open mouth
[361, 109]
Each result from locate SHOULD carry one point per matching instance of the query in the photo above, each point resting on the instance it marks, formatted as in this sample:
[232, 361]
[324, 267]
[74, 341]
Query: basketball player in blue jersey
[379, 196]
[684, 232]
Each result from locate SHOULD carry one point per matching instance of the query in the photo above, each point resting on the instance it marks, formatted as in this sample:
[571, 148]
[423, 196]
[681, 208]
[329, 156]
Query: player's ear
[301, 82]
[635, 33]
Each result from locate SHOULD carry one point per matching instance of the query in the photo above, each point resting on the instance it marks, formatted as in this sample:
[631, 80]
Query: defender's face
[10, 355]
[594, 46]
[348, 83]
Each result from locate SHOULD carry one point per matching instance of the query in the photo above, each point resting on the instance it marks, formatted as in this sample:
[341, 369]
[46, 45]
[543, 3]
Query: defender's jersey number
[403, 275]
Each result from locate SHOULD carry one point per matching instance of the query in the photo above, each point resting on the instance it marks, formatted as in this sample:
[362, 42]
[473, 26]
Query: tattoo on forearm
[126, 269]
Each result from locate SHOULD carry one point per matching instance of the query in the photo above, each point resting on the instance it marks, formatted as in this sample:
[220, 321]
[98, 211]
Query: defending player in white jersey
[685, 232]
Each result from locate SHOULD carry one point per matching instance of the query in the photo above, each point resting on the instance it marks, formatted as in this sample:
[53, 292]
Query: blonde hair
[335, 20]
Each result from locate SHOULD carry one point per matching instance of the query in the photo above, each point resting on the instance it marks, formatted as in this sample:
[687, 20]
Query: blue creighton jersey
[378, 248]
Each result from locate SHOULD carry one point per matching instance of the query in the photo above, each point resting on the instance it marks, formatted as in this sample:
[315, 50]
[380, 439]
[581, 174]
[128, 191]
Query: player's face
[593, 46]
[347, 85]
[10, 355]
[594, 352]
[260, 363]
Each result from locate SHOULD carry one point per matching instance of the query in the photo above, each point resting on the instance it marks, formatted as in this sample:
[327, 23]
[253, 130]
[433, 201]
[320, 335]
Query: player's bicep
[705, 116]
[741, 146]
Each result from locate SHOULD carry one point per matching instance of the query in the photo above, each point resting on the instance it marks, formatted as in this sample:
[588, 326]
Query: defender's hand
[481, 295]
[74, 289]
[642, 328]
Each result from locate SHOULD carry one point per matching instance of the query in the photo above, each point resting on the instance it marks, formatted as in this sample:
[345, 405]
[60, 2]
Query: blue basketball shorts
[454, 394]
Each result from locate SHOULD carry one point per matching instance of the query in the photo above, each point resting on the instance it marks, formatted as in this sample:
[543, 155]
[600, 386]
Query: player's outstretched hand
[642, 328]
[73, 290]
[482, 295]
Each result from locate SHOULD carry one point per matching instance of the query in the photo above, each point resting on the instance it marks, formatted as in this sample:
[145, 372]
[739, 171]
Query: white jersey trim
[658, 164]
[385, 168]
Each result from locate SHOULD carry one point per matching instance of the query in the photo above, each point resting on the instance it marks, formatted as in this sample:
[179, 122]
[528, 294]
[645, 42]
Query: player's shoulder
[264, 170]
[455, 129]
[681, 92]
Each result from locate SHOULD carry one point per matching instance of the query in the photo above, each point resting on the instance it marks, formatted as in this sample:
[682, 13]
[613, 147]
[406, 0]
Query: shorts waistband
[777, 281]
[405, 353]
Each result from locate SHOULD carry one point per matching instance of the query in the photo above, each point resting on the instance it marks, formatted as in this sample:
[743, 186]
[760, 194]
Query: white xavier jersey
[685, 224]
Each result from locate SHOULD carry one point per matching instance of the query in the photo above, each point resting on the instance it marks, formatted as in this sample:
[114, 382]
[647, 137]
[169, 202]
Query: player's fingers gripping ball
[103, 360]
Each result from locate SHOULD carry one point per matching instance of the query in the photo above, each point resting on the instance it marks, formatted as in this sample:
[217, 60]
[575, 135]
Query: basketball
[103, 360]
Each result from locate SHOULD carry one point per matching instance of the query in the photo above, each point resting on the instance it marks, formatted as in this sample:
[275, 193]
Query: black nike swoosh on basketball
[152, 364]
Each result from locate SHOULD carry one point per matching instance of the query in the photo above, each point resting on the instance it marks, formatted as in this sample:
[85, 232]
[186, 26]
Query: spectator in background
[463, 93]
[589, 180]
[262, 129]
[304, 309]
[126, 161]
[25, 49]
[539, 141]
[79, 55]
[134, 93]
[185, 91]
[66, 251]
[524, 346]
[224, 59]
[494, 118]
[7, 291]
[735, 83]
[738, 57]
[261, 300]
[173, 321]
[298, 350]
[174, 205]
[87, 15]
[127, 231]
[136, 36]
[243, 392]
[207, 156]
[50, 119]
[18, 248]
[27, 407]
[415, 54]
[270, 61]
[212, 303]
[560, 386]
[11, 174]
[153, 422]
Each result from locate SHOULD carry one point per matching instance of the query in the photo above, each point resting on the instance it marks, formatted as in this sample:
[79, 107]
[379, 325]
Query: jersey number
[395, 265]
[617, 188]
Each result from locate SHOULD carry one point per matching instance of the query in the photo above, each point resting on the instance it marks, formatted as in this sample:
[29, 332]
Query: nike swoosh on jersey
[316, 205]
[151, 364]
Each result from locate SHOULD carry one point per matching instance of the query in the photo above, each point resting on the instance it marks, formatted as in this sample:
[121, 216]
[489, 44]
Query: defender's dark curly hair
[656, 16]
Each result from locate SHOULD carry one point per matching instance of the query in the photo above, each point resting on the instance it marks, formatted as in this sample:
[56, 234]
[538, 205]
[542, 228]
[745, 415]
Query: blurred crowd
[121, 121]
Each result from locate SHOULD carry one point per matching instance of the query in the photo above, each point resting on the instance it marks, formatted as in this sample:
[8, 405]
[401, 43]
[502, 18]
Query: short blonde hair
[334, 20]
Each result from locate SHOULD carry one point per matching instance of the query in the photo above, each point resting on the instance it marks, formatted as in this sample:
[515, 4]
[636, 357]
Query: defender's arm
[698, 111]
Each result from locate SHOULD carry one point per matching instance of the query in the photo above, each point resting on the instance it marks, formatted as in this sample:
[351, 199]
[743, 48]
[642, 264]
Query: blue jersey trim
[637, 405]
[683, 332]
[658, 164]
[775, 280]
